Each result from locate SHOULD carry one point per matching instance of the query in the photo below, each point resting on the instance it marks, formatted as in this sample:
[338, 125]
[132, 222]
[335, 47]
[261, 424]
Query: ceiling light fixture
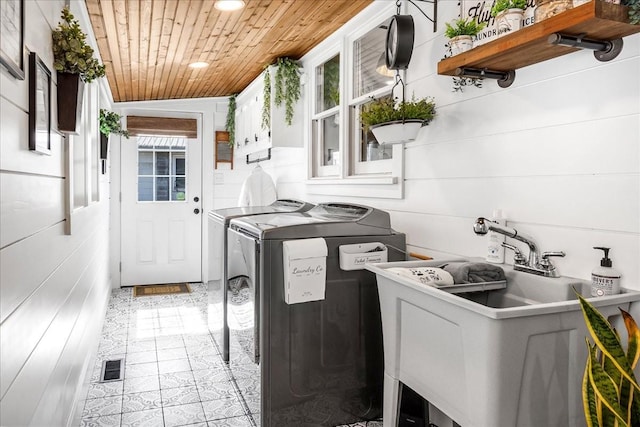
[229, 5]
[198, 65]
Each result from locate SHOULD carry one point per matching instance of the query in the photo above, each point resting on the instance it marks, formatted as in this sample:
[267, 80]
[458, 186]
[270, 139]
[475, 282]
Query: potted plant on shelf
[508, 15]
[460, 33]
[109, 123]
[75, 65]
[610, 391]
[394, 122]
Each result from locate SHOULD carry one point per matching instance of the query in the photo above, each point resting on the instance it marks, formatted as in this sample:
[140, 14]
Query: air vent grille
[112, 370]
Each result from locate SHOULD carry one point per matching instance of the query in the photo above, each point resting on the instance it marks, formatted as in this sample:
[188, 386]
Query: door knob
[196, 211]
[196, 199]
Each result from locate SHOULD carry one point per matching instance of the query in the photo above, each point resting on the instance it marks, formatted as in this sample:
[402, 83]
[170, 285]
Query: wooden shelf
[596, 19]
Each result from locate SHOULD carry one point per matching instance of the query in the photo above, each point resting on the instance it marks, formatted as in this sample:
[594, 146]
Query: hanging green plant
[230, 124]
[110, 123]
[266, 100]
[287, 86]
[71, 53]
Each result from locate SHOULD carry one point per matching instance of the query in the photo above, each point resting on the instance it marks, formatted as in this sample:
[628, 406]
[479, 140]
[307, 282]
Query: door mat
[150, 290]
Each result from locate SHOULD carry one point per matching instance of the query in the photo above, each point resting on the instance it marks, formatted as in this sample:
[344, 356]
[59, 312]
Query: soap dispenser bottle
[604, 279]
[495, 250]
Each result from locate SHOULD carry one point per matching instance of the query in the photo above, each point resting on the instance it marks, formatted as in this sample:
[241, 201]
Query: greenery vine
[230, 124]
[287, 86]
[266, 100]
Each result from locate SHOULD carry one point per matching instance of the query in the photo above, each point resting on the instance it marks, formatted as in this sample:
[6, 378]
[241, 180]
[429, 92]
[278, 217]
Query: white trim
[361, 180]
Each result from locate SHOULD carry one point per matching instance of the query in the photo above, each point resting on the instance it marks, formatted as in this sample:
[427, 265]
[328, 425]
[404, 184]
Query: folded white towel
[431, 276]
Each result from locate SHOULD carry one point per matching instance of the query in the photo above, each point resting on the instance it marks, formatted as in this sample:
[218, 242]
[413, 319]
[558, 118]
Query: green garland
[230, 124]
[266, 100]
[287, 86]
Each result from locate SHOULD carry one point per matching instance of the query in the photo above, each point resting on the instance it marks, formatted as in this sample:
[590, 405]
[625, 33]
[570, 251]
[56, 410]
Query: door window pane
[145, 163]
[162, 163]
[162, 167]
[162, 189]
[145, 189]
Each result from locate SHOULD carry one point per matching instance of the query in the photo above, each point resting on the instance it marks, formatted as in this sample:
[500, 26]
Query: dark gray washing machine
[218, 273]
[317, 363]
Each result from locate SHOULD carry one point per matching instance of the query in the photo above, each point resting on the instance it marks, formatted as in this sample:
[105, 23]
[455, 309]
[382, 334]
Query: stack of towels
[452, 273]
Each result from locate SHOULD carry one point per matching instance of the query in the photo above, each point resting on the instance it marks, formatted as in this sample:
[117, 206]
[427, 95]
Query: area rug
[170, 288]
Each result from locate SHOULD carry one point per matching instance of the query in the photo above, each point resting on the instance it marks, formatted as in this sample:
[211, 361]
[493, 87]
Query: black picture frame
[39, 105]
[12, 37]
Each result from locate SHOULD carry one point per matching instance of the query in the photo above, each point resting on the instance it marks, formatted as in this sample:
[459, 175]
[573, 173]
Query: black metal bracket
[504, 78]
[604, 50]
[260, 159]
[435, 11]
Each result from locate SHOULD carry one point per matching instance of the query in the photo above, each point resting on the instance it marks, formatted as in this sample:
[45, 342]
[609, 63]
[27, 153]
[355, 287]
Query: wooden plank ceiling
[147, 45]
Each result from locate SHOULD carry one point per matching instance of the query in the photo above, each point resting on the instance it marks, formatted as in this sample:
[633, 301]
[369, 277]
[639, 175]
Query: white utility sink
[507, 357]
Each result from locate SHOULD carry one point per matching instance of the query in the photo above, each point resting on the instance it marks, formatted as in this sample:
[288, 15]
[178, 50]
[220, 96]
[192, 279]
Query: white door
[161, 182]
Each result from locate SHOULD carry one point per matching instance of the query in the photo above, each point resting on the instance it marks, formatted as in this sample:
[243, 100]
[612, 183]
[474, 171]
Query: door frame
[115, 173]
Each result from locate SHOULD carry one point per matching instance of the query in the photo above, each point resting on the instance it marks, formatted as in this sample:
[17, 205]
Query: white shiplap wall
[54, 287]
[558, 151]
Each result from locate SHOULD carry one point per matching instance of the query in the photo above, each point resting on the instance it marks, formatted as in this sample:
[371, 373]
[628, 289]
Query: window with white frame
[371, 79]
[342, 152]
[325, 124]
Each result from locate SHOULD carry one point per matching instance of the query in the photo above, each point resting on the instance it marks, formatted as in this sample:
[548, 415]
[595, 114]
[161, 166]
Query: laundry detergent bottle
[604, 279]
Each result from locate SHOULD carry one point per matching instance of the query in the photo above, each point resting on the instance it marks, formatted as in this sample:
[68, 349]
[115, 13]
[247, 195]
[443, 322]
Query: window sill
[384, 187]
[365, 180]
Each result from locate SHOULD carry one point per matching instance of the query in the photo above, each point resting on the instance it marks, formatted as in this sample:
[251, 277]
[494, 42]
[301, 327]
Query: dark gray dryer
[218, 274]
[317, 363]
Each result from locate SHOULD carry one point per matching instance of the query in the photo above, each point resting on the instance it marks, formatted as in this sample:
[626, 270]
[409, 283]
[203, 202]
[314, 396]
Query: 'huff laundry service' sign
[481, 11]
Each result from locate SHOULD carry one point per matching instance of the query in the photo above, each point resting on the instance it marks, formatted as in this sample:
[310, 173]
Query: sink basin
[526, 289]
[507, 357]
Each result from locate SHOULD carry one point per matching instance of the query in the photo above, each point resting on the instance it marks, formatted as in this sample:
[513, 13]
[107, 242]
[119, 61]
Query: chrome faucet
[535, 264]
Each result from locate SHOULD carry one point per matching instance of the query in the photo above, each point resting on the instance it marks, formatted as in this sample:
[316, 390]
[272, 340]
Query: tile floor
[173, 375]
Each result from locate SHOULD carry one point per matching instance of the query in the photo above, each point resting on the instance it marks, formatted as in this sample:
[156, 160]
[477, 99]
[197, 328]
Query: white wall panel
[53, 287]
[28, 204]
[40, 368]
[24, 328]
[592, 147]
[14, 149]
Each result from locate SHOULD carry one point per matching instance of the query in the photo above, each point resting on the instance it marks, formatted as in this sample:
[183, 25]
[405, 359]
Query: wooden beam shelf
[595, 20]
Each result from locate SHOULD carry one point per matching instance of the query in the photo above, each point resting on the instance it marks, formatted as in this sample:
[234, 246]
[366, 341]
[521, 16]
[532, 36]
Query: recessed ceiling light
[229, 5]
[198, 65]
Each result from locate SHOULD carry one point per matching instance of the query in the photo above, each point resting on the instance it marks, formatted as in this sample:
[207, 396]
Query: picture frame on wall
[12, 37]
[39, 105]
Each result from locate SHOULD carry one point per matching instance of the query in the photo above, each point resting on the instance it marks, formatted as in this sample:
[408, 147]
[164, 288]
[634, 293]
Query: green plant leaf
[605, 389]
[633, 347]
[589, 396]
[606, 339]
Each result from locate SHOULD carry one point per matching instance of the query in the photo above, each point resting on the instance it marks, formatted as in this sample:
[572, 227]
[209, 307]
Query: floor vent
[112, 370]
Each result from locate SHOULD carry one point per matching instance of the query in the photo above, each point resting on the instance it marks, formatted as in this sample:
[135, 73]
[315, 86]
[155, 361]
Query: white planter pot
[509, 20]
[460, 44]
[397, 132]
